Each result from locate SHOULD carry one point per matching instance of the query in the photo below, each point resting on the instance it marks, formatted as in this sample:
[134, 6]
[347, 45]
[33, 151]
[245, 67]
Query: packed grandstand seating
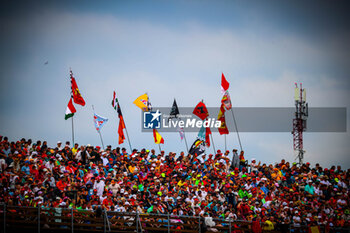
[222, 186]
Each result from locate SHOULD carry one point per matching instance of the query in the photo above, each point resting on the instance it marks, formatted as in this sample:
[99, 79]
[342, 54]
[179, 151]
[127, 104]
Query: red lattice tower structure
[299, 122]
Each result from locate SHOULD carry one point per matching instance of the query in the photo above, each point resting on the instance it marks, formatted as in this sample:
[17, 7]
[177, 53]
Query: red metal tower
[299, 122]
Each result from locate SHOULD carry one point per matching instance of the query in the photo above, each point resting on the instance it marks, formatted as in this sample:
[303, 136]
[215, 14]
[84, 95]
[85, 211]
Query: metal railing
[41, 219]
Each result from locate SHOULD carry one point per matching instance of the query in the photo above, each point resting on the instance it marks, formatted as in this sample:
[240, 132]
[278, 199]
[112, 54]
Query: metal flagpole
[160, 149]
[186, 142]
[127, 135]
[72, 131]
[71, 95]
[211, 135]
[103, 147]
[234, 121]
[225, 143]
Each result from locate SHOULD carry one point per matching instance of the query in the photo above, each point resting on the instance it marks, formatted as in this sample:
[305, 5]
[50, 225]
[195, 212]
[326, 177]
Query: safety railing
[40, 219]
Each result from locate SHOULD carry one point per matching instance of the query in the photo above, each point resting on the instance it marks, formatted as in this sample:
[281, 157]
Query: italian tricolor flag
[70, 110]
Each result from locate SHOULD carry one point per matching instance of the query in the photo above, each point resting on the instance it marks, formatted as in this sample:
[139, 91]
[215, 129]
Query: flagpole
[71, 95]
[103, 147]
[234, 121]
[225, 143]
[126, 130]
[127, 135]
[185, 141]
[72, 131]
[183, 129]
[160, 149]
[211, 135]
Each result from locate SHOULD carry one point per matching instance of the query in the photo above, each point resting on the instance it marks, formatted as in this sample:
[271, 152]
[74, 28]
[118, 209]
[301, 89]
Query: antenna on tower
[299, 121]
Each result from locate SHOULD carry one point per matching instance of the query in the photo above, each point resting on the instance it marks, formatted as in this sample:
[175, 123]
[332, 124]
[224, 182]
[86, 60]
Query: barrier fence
[39, 219]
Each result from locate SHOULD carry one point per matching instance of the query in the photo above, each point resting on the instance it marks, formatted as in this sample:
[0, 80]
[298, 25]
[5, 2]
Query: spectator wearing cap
[99, 185]
[104, 158]
[59, 146]
[309, 188]
[254, 166]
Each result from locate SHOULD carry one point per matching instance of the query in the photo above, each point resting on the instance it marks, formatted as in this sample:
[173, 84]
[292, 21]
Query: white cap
[59, 142]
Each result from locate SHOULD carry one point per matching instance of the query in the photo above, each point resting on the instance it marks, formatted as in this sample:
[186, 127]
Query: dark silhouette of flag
[198, 147]
[174, 110]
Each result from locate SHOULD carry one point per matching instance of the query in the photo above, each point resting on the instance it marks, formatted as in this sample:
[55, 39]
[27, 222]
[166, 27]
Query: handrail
[42, 214]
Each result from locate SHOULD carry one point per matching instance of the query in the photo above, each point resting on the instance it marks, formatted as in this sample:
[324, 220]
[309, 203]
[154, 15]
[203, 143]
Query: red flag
[226, 101]
[121, 126]
[223, 128]
[224, 84]
[207, 133]
[78, 99]
[201, 111]
[120, 131]
[221, 117]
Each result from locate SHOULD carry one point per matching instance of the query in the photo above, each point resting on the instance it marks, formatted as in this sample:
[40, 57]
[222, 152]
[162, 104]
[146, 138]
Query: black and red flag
[201, 111]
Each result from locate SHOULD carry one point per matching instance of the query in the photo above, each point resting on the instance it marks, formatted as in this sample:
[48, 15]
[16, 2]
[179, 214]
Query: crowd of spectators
[223, 185]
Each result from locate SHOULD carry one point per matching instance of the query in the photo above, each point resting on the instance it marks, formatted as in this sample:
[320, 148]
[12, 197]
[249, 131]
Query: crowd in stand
[223, 185]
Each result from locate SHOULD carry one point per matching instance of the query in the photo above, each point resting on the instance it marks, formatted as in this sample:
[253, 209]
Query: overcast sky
[172, 49]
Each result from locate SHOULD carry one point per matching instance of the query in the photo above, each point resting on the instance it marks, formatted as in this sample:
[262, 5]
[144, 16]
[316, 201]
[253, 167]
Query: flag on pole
[198, 147]
[77, 98]
[158, 139]
[207, 139]
[182, 132]
[221, 117]
[201, 111]
[174, 111]
[203, 135]
[114, 101]
[142, 102]
[226, 101]
[223, 127]
[70, 110]
[99, 121]
[121, 126]
[224, 84]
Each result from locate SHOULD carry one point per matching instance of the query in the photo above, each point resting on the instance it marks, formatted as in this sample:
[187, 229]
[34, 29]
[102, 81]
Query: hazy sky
[172, 49]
